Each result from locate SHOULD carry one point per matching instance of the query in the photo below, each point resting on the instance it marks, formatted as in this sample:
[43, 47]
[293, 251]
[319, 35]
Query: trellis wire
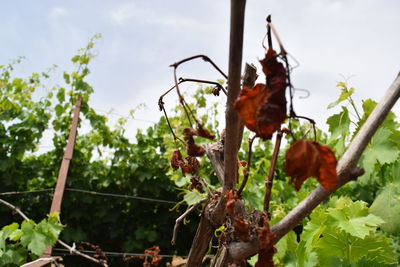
[91, 193]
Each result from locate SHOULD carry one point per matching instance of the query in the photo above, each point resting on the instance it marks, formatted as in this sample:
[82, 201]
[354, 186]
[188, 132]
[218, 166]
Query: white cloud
[128, 11]
[123, 13]
[56, 12]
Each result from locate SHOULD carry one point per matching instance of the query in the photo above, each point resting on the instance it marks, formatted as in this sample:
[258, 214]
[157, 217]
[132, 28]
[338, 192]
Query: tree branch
[346, 170]
[180, 219]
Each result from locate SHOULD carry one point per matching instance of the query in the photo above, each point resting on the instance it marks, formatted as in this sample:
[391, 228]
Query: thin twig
[274, 31]
[182, 99]
[161, 105]
[312, 123]
[270, 178]
[205, 58]
[14, 208]
[180, 219]
[247, 171]
[77, 252]
[71, 249]
[217, 85]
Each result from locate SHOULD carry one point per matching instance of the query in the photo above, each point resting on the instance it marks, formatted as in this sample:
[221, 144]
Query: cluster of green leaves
[19, 243]
[341, 233]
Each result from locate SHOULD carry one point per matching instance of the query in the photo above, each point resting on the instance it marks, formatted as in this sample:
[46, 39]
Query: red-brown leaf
[241, 229]
[265, 258]
[194, 150]
[273, 112]
[265, 236]
[274, 71]
[263, 108]
[231, 196]
[302, 161]
[196, 184]
[248, 104]
[176, 160]
[307, 159]
[327, 170]
[205, 133]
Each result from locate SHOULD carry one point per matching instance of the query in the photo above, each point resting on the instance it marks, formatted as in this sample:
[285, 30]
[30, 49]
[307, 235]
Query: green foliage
[344, 95]
[387, 206]
[343, 231]
[18, 243]
[105, 160]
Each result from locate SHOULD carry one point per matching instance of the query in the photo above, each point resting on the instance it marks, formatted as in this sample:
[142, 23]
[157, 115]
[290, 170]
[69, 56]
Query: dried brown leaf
[307, 159]
[176, 160]
[231, 196]
[241, 228]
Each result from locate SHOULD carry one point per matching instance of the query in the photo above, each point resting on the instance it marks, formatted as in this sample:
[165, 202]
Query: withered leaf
[194, 150]
[204, 133]
[274, 71]
[263, 108]
[176, 160]
[327, 170]
[306, 159]
[195, 184]
[265, 236]
[273, 112]
[191, 166]
[265, 258]
[241, 228]
[248, 104]
[231, 196]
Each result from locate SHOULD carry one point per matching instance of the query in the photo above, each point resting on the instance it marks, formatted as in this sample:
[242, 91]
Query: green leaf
[339, 124]
[345, 94]
[59, 110]
[361, 226]
[193, 197]
[314, 228]
[368, 106]
[380, 150]
[353, 217]
[387, 206]
[66, 78]
[375, 247]
[38, 243]
[333, 244]
[61, 95]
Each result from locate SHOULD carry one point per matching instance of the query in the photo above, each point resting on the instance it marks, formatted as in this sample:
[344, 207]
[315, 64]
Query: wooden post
[62, 176]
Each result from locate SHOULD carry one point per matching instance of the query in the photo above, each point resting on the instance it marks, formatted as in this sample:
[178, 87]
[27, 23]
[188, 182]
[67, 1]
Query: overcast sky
[330, 38]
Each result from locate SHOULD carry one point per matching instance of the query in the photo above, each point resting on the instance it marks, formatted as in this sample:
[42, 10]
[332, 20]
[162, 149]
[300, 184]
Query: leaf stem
[247, 171]
[354, 107]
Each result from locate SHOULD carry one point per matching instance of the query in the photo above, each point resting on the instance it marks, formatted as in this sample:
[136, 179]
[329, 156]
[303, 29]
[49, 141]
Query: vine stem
[270, 178]
[71, 249]
[247, 171]
[180, 219]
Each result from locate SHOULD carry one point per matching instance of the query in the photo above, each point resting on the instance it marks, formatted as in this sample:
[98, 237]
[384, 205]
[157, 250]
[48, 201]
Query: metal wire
[91, 193]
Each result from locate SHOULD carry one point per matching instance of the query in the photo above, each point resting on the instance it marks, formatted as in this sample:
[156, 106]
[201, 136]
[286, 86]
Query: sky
[331, 39]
